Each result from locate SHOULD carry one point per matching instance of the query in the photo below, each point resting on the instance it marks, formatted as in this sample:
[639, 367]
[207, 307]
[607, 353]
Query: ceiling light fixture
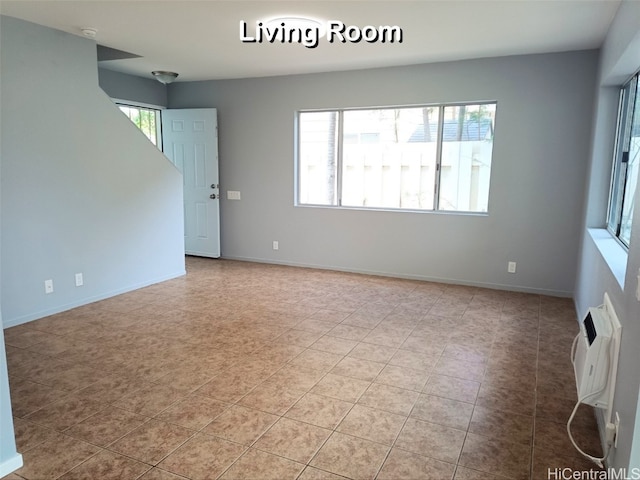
[296, 22]
[164, 77]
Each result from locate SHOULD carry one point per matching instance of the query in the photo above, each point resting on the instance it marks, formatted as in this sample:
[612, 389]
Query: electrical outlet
[511, 267]
[48, 286]
[275, 245]
[79, 280]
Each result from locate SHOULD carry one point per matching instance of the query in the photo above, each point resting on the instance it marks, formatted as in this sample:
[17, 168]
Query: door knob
[213, 196]
[214, 185]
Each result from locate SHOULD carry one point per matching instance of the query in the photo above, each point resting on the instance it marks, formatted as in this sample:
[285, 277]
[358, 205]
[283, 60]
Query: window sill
[394, 210]
[614, 254]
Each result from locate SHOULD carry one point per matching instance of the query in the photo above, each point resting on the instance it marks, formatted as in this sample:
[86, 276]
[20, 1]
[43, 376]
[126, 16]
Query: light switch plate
[233, 195]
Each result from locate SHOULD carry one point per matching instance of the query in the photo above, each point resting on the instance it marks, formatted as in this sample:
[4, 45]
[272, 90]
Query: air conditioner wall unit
[594, 355]
[592, 359]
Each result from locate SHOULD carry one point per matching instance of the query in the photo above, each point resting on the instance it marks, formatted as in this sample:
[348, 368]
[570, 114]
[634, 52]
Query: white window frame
[144, 106]
[618, 197]
[339, 158]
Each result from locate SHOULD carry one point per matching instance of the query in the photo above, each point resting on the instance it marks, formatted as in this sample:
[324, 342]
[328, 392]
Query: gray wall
[537, 183]
[134, 89]
[620, 58]
[82, 189]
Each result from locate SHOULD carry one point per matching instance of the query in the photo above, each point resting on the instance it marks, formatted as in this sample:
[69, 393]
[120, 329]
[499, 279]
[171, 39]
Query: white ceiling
[201, 40]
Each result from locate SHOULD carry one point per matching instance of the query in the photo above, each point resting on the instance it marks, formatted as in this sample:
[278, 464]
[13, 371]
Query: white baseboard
[12, 322]
[11, 465]
[425, 278]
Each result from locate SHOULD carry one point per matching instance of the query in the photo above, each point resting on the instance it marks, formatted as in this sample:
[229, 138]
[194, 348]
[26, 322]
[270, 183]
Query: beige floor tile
[158, 474]
[188, 380]
[311, 473]
[339, 346]
[402, 377]
[329, 316]
[27, 338]
[387, 336]
[107, 466]
[414, 360]
[558, 410]
[453, 367]
[315, 325]
[498, 424]
[66, 412]
[301, 338]
[436, 441]
[453, 388]
[351, 457]
[463, 473]
[28, 396]
[264, 466]
[358, 368]
[106, 426]
[430, 345]
[29, 435]
[362, 321]
[512, 401]
[281, 353]
[151, 399]
[371, 424]
[319, 410]
[54, 457]
[443, 411]
[194, 412]
[467, 353]
[349, 332]
[271, 398]
[401, 465]
[295, 377]
[220, 348]
[73, 377]
[12, 476]
[340, 387]
[514, 377]
[241, 424]
[202, 457]
[152, 441]
[553, 436]
[316, 360]
[111, 388]
[230, 386]
[372, 353]
[497, 456]
[292, 439]
[390, 399]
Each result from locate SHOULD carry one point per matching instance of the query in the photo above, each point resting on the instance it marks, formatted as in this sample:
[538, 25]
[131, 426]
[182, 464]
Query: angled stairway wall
[82, 189]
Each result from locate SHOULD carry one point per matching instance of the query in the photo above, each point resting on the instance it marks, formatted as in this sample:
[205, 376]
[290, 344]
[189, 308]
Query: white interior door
[190, 141]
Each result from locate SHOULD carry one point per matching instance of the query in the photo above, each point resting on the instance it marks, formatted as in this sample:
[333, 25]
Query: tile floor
[248, 371]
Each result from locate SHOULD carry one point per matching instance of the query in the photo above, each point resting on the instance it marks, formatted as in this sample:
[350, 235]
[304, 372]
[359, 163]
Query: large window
[146, 119]
[625, 162]
[434, 157]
